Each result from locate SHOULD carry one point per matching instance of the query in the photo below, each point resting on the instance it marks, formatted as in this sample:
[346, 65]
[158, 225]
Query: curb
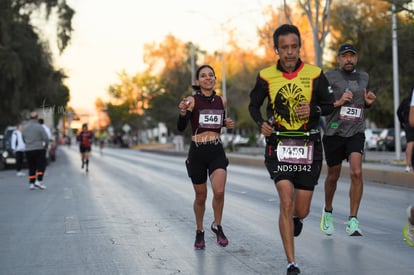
[377, 174]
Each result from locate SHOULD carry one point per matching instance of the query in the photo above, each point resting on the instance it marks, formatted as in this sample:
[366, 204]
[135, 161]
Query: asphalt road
[132, 214]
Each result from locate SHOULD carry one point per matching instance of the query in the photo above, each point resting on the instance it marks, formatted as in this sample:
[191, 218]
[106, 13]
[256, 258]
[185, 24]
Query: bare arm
[411, 117]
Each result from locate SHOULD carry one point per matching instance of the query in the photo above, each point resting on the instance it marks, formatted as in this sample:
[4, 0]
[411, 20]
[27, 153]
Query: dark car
[7, 156]
[386, 140]
[1, 152]
[8, 159]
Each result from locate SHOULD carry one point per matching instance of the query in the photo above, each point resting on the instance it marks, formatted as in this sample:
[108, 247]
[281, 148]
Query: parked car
[7, 156]
[261, 140]
[371, 138]
[8, 159]
[386, 141]
[233, 139]
[1, 151]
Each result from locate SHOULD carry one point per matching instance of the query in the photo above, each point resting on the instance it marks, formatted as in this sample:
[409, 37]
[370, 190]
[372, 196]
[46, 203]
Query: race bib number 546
[212, 119]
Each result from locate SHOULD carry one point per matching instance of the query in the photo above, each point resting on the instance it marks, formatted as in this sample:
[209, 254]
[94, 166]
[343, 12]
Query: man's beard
[348, 69]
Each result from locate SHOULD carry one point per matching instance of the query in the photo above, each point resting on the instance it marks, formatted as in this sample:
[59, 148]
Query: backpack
[403, 111]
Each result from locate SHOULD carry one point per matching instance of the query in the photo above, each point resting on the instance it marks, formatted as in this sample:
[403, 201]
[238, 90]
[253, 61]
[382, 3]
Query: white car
[371, 138]
[234, 139]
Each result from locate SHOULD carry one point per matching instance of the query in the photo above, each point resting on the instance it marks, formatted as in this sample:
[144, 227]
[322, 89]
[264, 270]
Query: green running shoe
[408, 233]
[408, 230]
[327, 225]
[352, 227]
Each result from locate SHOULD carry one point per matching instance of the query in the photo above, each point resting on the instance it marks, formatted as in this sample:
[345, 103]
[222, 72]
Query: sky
[109, 36]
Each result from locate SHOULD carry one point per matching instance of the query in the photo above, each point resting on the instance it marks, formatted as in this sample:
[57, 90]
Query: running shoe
[221, 238]
[199, 240]
[352, 227]
[38, 184]
[327, 225]
[293, 269]
[408, 230]
[31, 186]
[297, 226]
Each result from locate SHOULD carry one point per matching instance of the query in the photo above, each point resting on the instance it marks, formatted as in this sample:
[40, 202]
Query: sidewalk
[380, 173]
[380, 167]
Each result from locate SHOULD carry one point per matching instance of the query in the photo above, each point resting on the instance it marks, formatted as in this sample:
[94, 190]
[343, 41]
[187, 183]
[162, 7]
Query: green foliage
[28, 79]
[367, 24]
[120, 114]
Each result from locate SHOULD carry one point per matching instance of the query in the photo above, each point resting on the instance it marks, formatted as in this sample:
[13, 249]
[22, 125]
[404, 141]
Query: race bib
[352, 112]
[295, 151]
[212, 119]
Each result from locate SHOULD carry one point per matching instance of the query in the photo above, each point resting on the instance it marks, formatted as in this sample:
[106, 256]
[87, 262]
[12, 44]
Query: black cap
[346, 48]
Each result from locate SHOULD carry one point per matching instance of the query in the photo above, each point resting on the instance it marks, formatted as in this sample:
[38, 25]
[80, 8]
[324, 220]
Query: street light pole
[223, 67]
[223, 31]
[192, 64]
[396, 83]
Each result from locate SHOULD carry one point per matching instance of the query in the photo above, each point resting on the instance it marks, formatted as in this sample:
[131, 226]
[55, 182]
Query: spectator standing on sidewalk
[296, 94]
[408, 230]
[403, 113]
[49, 134]
[18, 146]
[47, 129]
[36, 139]
[344, 137]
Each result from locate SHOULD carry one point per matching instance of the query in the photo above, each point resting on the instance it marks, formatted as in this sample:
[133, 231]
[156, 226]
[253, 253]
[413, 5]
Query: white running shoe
[39, 185]
[31, 186]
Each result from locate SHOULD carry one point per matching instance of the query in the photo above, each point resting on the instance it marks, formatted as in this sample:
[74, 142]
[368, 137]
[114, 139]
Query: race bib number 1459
[295, 151]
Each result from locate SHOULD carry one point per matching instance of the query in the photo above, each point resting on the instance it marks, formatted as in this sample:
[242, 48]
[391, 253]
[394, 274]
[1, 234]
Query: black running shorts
[339, 148]
[204, 158]
[409, 133]
[84, 149]
[303, 176]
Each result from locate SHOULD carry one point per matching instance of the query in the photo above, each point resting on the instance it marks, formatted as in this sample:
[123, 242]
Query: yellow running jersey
[288, 90]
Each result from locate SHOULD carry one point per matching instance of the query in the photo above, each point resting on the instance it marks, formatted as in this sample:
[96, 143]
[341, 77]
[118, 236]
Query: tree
[368, 26]
[28, 79]
[173, 57]
[318, 15]
[103, 120]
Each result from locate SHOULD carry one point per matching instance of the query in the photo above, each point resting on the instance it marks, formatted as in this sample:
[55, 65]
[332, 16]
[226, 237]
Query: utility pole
[192, 64]
[396, 83]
